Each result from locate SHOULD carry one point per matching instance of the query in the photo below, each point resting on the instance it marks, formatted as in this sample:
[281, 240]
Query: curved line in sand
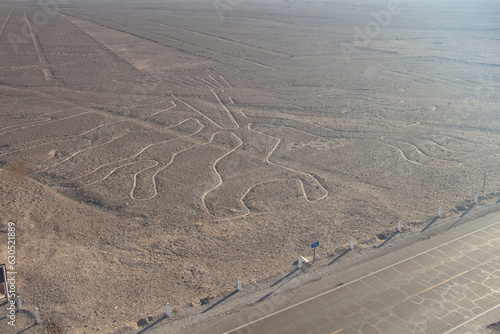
[142, 150]
[153, 177]
[214, 167]
[291, 169]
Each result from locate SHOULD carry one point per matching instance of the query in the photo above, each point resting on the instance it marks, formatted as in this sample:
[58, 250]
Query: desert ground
[154, 151]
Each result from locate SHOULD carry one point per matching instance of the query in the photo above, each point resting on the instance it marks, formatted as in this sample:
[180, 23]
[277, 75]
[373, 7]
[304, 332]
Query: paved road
[449, 283]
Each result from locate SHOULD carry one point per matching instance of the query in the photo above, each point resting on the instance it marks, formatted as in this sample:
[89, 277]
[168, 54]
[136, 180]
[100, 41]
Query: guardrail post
[37, 315]
[168, 310]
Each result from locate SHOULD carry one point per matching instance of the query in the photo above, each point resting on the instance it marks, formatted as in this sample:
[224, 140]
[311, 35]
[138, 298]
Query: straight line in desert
[136, 120]
[196, 84]
[217, 172]
[5, 24]
[47, 73]
[123, 30]
[199, 81]
[44, 122]
[81, 151]
[227, 82]
[75, 137]
[197, 111]
[199, 47]
[210, 85]
[441, 146]
[288, 168]
[227, 40]
[218, 83]
[227, 110]
[93, 129]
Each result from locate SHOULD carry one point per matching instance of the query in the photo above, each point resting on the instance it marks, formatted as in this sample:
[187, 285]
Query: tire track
[42, 59]
[5, 24]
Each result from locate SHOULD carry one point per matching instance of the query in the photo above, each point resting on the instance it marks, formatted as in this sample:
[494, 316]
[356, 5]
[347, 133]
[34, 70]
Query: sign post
[314, 246]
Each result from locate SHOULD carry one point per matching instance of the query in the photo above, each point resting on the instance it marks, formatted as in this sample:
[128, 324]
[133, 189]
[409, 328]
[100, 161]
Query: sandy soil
[153, 152]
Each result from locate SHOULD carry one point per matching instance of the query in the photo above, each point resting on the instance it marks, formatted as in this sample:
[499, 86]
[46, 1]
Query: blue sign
[314, 245]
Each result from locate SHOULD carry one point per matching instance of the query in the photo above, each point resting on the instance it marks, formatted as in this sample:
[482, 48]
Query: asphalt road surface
[449, 283]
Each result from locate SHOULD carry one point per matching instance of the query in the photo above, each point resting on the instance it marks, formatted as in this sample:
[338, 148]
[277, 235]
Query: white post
[37, 316]
[440, 212]
[168, 310]
[300, 261]
[239, 283]
[476, 198]
[400, 225]
[18, 302]
[351, 246]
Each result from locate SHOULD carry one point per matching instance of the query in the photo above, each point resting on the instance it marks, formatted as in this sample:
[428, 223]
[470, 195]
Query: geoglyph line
[290, 169]
[143, 149]
[210, 85]
[74, 137]
[230, 41]
[140, 33]
[227, 110]
[196, 84]
[226, 81]
[42, 59]
[197, 111]
[153, 177]
[47, 122]
[403, 154]
[218, 83]
[418, 152]
[214, 167]
[5, 24]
